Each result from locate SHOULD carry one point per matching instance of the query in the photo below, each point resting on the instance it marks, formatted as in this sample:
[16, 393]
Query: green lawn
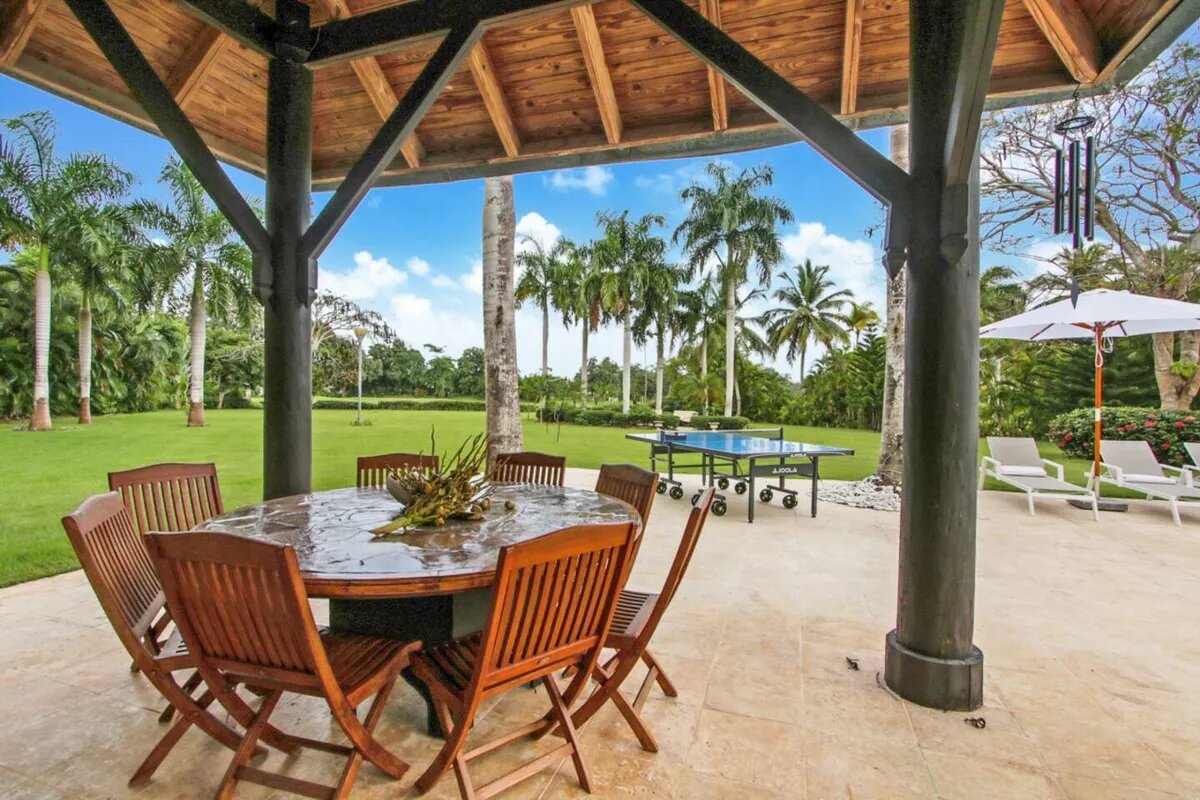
[43, 476]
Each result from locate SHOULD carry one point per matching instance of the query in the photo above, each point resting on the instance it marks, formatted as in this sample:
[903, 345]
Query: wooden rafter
[711, 9]
[597, 67]
[237, 18]
[1071, 34]
[17, 26]
[484, 72]
[378, 88]
[1151, 25]
[187, 75]
[851, 55]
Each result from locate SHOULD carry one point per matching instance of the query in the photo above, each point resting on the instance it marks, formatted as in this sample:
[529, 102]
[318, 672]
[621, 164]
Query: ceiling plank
[597, 68]
[851, 55]
[238, 19]
[187, 75]
[484, 72]
[711, 9]
[17, 26]
[1153, 20]
[378, 88]
[1071, 34]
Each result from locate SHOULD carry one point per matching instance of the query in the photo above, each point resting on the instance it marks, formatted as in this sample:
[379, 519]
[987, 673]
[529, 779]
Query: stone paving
[1089, 631]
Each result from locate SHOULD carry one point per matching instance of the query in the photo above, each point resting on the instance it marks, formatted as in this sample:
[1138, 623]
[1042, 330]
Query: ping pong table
[738, 458]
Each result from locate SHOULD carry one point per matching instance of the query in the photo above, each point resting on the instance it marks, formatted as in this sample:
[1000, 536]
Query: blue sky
[413, 252]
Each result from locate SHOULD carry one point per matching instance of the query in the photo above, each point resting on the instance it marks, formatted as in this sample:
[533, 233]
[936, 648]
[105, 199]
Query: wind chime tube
[1073, 222]
[1099, 405]
[1089, 196]
[1058, 191]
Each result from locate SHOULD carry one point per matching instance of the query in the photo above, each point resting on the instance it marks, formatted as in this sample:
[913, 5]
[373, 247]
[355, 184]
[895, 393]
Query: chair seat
[451, 664]
[633, 610]
[361, 664]
[174, 653]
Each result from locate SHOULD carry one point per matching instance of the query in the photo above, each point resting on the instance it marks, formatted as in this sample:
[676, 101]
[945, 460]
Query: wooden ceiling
[589, 84]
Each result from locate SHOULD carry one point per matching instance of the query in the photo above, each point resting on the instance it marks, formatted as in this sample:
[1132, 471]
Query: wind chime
[1075, 184]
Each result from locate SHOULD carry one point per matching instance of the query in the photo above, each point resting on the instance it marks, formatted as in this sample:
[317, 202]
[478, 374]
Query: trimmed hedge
[1166, 431]
[639, 416]
[447, 404]
[702, 423]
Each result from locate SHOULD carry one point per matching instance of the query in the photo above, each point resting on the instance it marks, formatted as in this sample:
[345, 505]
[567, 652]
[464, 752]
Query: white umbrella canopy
[1107, 311]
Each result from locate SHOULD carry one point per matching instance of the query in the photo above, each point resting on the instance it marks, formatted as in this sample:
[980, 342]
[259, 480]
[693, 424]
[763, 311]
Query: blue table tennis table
[738, 458]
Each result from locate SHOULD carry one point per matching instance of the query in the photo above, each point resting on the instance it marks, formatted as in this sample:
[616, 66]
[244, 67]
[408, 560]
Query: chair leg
[663, 681]
[1095, 507]
[456, 735]
[242, 756]
[982, 478]
[568, 728]
[361, 734]
[1175, 513]
[1029, 496]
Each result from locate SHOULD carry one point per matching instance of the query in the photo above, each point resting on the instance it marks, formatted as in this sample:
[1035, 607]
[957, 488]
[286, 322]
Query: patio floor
[1089, 633]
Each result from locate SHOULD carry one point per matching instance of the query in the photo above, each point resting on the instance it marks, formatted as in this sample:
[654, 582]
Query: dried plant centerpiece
[460, 488]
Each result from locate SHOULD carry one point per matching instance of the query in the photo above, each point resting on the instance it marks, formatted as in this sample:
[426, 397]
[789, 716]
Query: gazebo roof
[579, 84]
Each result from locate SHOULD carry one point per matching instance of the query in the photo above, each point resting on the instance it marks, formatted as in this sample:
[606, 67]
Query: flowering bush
[1166, 431]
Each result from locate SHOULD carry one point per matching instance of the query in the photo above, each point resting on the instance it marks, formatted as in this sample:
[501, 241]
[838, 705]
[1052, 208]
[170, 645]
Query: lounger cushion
[1030, 472]
[1134, 477]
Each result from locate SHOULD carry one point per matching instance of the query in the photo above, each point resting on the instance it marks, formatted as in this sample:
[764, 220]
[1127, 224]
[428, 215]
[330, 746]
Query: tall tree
[199, 259]
[696, 319]
[809, 311]
[730, 222]
[44, 201]
[539, 283]
[590, 307]
[626, 252]
[859, 317]
[334, 315]
[502, 389]
[889, 468]
[656, 316]
[1147, 191]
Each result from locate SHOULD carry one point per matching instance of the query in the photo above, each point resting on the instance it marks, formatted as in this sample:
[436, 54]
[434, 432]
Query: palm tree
[809, 311]
[859, 317]
[696, 319]
[44, 202]
[656, 315]
[539, 282]
[200, 258]
[732, 224]
[625, 254]
[571, 297]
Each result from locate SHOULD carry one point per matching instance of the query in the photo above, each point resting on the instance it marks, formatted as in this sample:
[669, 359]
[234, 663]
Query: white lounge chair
[685, 417]
[1016, 462]
[1193, 451]
[1132, 465]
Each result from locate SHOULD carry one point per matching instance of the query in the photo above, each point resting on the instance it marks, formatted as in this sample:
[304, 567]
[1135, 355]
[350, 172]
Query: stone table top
[331, 534]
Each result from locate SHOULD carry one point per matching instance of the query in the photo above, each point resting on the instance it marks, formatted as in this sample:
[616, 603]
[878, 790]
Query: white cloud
[417, 266]
[443, 281]
[675, 180]
[473, 280]
[366, 280]
[533, 226]
[593, 180]
[853, 265]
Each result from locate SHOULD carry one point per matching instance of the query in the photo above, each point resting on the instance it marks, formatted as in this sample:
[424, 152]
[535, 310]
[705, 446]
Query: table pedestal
[432, 620]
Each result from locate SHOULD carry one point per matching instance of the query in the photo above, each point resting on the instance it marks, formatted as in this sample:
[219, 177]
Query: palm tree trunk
[199, 334]
[658, 375]
[625, 367]
[730, 342]
[583, 369]
[40, 420]
[499, 319]
[545, 352]
[737, 395]
[85, 359]
[891, 434]
[704, 367]
[803, 353]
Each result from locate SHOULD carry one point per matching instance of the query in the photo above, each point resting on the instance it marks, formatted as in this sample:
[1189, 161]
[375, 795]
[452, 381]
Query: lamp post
[360, 333]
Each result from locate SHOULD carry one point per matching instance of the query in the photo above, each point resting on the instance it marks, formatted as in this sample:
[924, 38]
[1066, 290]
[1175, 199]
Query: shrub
[408, 404]
[1166, 431]
[702, 423]
[668, 421]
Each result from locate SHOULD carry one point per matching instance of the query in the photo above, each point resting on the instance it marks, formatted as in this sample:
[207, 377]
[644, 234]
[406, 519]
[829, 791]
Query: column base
[949, 684]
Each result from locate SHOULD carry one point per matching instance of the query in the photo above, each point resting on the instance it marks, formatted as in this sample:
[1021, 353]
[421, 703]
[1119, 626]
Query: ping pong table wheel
[790, 501]
[765, 495]
[719, 508]
[676, 492]
[723, 483]
[695, 497]
[662, 487]
[739, 487]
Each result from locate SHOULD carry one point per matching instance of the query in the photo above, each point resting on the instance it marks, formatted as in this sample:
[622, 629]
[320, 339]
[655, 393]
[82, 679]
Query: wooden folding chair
[630, 483]
[115, 561]
[244, 613]
[374, 470]
[638, 615]
[169, 497]
[551, 607]
[529, 467]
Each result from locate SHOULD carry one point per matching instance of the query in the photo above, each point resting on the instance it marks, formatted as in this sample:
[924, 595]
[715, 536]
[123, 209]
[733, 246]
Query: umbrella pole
[1099, 405]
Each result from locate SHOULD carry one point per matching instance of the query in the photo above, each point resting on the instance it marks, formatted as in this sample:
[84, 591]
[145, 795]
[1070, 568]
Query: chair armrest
[1182, 476]
[989, 466]
[1057, 467]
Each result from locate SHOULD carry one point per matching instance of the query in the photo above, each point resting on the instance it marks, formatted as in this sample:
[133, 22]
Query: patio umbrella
[1098, 315]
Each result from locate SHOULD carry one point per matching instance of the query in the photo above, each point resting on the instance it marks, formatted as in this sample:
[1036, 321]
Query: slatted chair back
[116, 564]
[169, 497]
[683, 557]
[373, 471]
[242, 608]
[529, 467]
[631, 483]
[552, 603]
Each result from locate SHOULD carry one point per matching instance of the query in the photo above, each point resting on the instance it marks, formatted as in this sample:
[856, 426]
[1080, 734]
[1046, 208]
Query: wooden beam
[239, 19]
[1071, 35]
[782, 100]
[484, 72]
[851, 55]
[711, 9]
[378, 88]
[159, 104]
[441, 67]
[597, 67]
[972, 75]
[1160, 30]
[17, 26]
[187, 75]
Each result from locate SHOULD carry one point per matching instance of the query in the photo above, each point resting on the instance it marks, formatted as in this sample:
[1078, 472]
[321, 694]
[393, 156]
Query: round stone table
[429, 583]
